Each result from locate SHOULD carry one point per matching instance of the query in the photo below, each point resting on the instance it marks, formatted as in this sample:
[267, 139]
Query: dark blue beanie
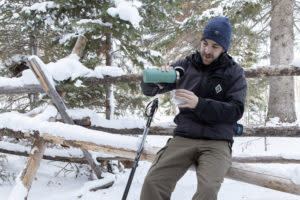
[219, 30]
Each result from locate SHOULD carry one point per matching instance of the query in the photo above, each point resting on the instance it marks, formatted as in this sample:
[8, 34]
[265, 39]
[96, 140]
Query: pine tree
[55, 27]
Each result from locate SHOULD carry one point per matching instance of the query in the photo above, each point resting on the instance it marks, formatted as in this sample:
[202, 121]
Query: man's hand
[190, 99]
[164, 69]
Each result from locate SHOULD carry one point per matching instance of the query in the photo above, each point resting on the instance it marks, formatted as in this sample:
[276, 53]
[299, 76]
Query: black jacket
[221, 88]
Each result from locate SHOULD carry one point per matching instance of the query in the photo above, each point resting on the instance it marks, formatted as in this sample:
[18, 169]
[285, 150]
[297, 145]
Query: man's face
[210, 51]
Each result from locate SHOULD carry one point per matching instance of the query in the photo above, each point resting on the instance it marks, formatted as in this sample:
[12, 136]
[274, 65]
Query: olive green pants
[211, 158]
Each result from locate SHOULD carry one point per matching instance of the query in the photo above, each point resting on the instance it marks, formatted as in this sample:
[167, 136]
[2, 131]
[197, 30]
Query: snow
[19, 191]
[78, 83]
[93, 184]
[275, 122]
[126, 11]
[101, 71]
[40, 7]
[66, 68]
[94, 21]
[112, 102]
[27, 78]
[155, 53]
[123, 123]
[296, 61]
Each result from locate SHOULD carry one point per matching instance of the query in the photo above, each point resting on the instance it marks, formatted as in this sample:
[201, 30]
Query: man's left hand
[190, 99]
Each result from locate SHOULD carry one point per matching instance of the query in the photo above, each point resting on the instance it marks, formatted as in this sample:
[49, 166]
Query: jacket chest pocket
[216, 85]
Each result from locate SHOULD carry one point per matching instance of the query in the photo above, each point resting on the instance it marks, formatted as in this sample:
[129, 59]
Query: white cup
[176, 101]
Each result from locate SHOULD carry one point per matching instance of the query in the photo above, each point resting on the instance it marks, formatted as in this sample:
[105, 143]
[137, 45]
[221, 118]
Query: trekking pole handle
[154, 106]
[152, 111]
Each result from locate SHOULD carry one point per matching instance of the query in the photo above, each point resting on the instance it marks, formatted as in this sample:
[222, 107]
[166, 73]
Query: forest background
[160, 33]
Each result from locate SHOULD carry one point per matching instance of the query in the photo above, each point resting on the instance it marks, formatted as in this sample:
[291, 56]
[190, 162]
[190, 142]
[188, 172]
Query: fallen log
[253, 72]
[30, 89]
[148, 153]
[287, 131]
[67, 156]
[273, 70]
[236, 172]
[266, 159]
[248, 174]
[64, 156]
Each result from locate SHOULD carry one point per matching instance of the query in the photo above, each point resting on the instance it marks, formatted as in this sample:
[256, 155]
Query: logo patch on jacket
[218, 89]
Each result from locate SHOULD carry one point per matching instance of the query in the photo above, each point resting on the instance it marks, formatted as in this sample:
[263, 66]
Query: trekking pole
[141, 146]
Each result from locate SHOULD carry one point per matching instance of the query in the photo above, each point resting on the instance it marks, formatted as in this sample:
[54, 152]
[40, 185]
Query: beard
[207, 58]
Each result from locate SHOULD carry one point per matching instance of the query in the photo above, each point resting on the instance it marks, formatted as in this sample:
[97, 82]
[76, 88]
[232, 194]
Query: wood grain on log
[33, 163]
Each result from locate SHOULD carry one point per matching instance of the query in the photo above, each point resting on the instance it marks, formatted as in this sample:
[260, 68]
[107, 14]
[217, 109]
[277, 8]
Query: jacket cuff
[200, 105]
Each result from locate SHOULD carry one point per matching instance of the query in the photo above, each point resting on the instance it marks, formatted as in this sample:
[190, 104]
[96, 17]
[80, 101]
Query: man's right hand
[164, 69]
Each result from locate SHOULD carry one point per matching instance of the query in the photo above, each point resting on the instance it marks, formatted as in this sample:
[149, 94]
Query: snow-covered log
[30, 89]
[253, 72]
[284, 131]
[239, 172]
[68, 155]
[266, 159]
[148, 154]
[251, 175]
[287, 131]
[273, 70]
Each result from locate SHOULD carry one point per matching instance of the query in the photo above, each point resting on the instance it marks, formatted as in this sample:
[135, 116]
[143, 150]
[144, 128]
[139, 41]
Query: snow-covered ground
[52, 182]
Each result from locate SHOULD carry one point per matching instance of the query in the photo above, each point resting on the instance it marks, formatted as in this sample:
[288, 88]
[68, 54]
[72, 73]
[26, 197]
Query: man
[214, 90]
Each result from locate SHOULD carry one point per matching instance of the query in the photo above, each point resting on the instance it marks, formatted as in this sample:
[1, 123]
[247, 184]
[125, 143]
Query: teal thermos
[158, 76]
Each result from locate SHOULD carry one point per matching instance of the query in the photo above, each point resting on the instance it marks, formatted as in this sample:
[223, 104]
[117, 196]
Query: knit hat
[219, 30]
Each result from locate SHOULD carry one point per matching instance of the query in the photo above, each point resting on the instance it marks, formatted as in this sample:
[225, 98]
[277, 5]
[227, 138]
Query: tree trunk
[281, 94]
[108, 91]
[33, 98]
[33, 45]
